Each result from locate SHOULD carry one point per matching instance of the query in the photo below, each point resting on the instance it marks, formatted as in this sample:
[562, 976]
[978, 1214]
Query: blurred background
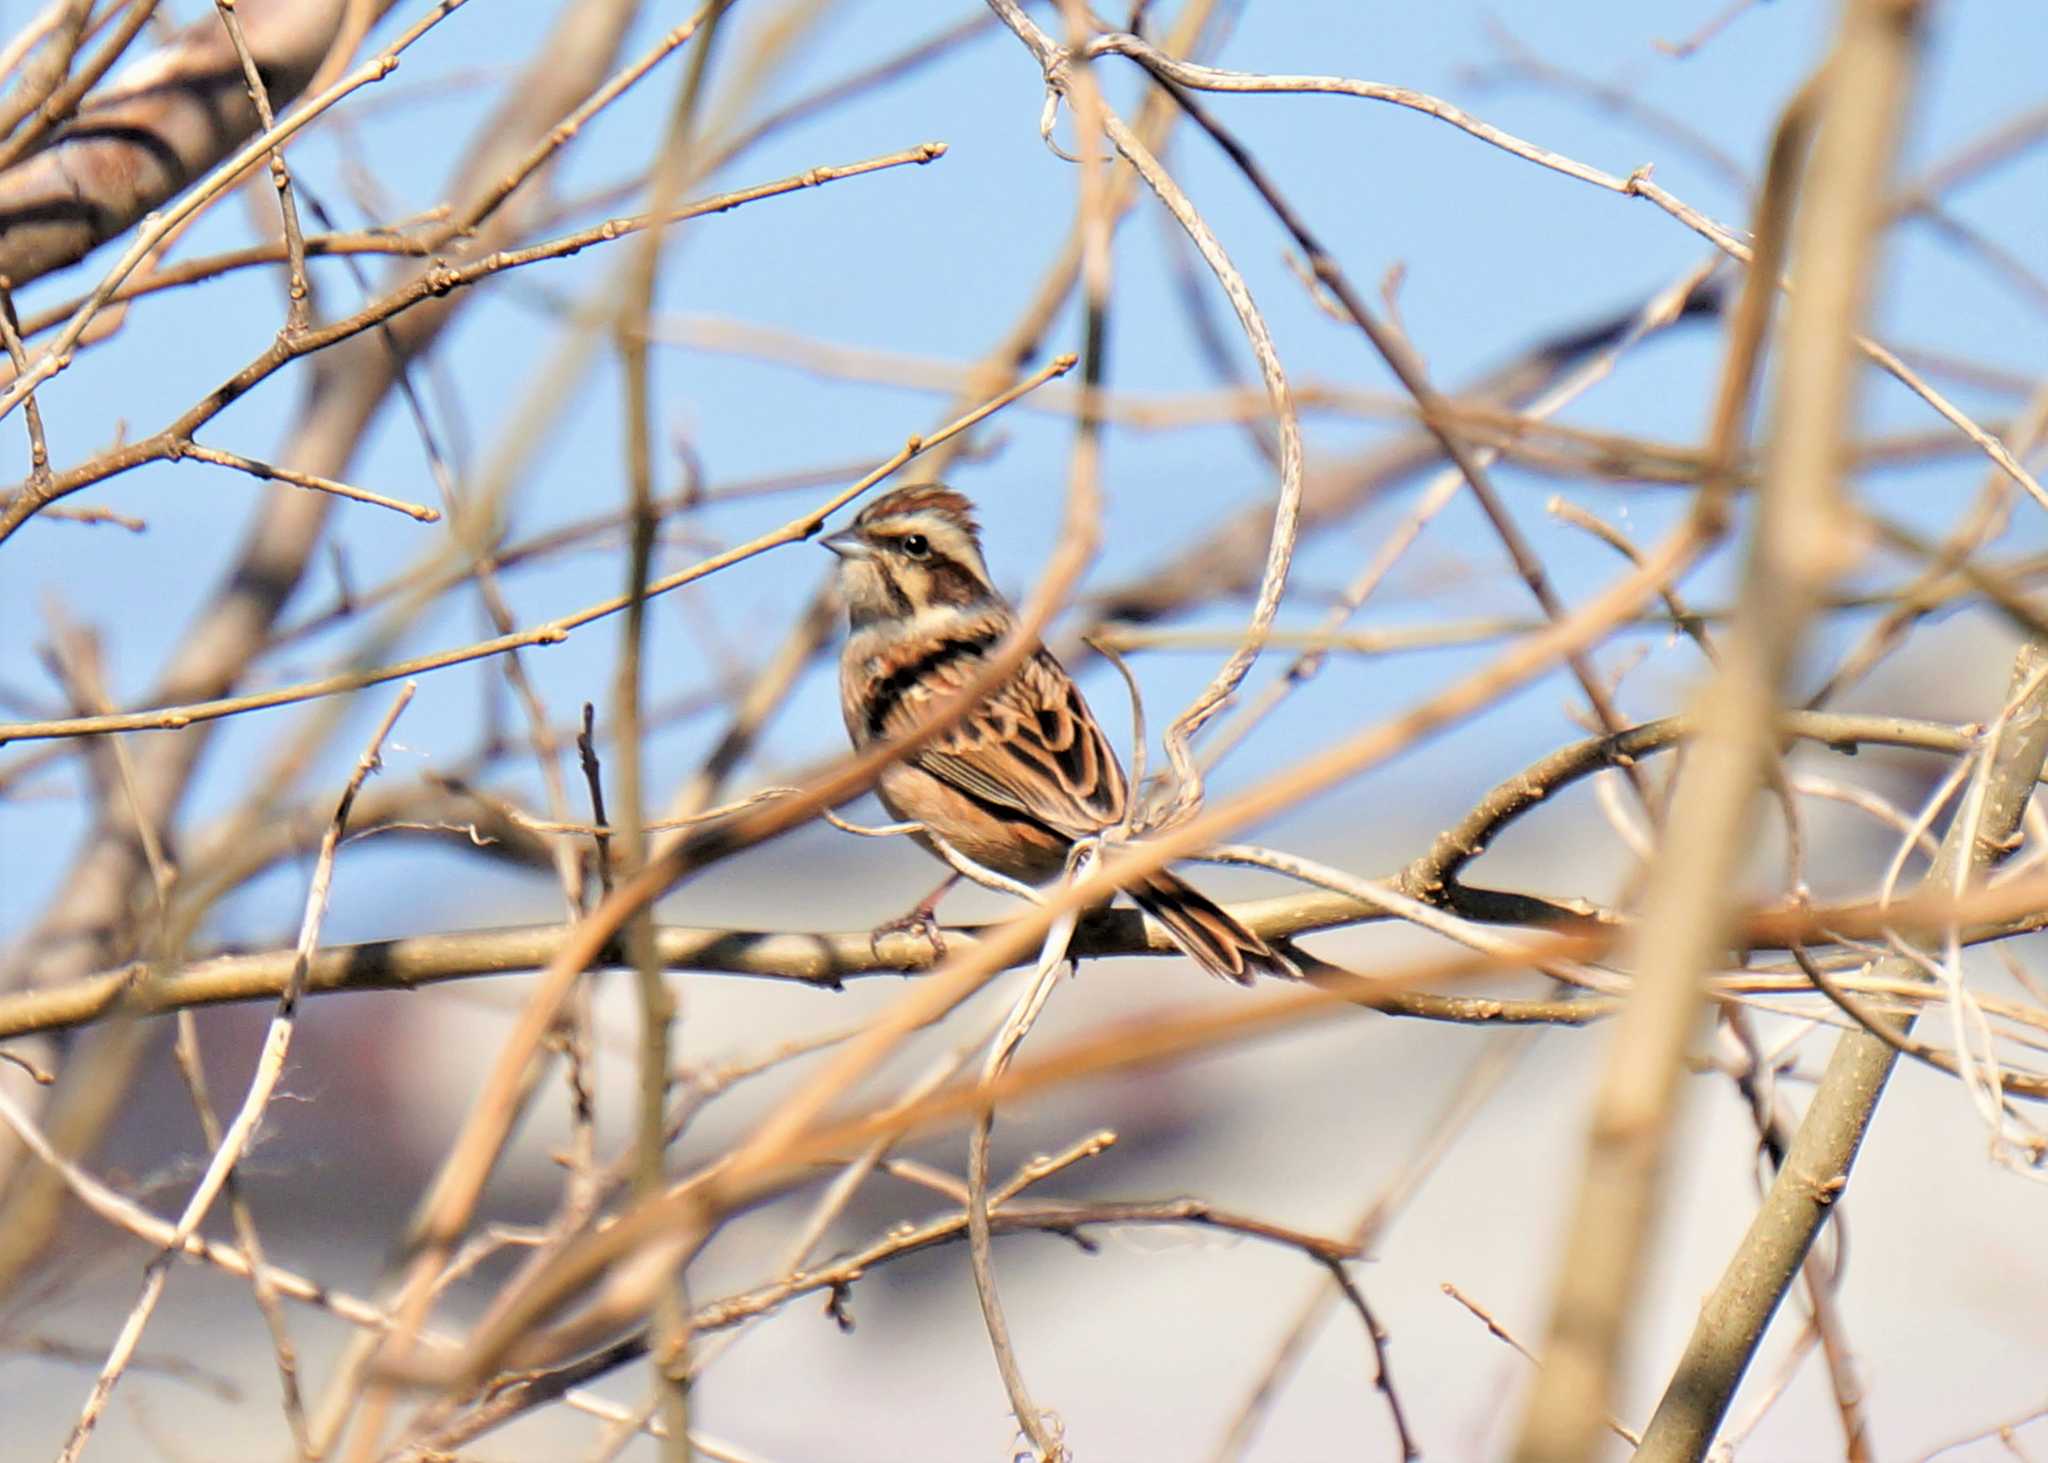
[797, 341]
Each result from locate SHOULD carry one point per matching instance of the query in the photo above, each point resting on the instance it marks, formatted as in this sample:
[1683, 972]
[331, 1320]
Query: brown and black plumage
[1028, 772]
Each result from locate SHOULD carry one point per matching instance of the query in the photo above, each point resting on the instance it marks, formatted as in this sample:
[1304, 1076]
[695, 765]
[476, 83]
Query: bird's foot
[920, 922]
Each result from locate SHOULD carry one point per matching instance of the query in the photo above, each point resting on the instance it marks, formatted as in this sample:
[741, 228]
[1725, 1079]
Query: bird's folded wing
[1033, 746]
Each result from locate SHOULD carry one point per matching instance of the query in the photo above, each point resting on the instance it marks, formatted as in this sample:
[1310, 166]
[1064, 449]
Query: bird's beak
[846, 544]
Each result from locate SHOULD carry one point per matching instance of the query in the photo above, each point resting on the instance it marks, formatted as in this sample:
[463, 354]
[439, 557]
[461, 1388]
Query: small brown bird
[1029, 771]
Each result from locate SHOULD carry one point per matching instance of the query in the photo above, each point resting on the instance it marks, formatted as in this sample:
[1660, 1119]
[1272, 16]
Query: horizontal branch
[828, 959]
[824, 959]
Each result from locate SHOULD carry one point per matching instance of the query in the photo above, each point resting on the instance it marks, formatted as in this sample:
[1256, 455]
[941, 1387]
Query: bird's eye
[917, 545]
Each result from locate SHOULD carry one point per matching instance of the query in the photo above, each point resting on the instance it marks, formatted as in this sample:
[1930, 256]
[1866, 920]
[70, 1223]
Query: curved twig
[1187, 793]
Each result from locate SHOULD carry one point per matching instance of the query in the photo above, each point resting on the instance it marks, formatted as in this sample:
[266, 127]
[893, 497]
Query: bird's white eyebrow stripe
[948, 539]
[931, 525]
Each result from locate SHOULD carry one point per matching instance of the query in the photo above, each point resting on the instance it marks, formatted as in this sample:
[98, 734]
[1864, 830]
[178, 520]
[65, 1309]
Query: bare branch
[1816, 1167]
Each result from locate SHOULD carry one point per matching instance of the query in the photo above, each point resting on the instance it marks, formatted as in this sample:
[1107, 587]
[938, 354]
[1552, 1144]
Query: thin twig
[1816, 1167]
[298, 293]
[1636, 185]
[1480, 1081]
[1401, 358]
[32, 412]
[55, 356]
[270, 1067]
[1061, 79]
[593, 777]
[192, 1069]
[430, 284]
[1382, 1378]
[267, 472]
[674, 166]
[175, 718]
[566, 130]
[1487, 1319]
[1039, 1427]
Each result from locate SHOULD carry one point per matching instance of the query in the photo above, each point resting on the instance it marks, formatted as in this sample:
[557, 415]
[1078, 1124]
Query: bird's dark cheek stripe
[892, 688]
[898, 606]
[899, 602]
[952, 583]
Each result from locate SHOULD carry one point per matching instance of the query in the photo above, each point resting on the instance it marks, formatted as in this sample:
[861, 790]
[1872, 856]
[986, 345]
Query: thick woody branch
[1816, 1166]
[163, 123]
